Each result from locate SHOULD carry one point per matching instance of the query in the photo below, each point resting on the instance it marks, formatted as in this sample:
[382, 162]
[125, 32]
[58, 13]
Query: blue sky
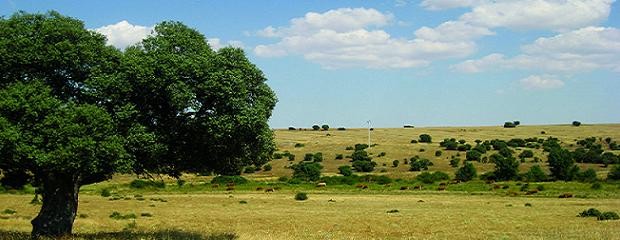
[426, 63]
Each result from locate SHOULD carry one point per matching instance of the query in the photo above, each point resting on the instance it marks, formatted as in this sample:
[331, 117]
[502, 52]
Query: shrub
[535, 174]
[140, 184]
[283, 179]
[106, 192]
[588, 175]
[364, 166]
[349, 148]
[249, 169]
[118, 216]
[561, 164]
[614, 173]
[393, 211]
[473, 155]
[506, 168]
[466, 173]
[419, 164]
[9, 211]
[277, 155]
[315, 127]
[455, 162]
[267, 167]
[318, 157]
[298, 145]
[425, 138]
[526, 154]
[430, 178]
[360, 155]
[438, 153]
[509, 125]
[307, 171]
[308, 157]
[360, 146]
[291, 157]
[291, 128]
[395, 163]
[414, 141]
[345, 170]
[341, 129]
[464, 147]
[301, 196]
[608, 216]
[325, 127]
[381, 154]
[422, 150]
[229, 179]
[576, 123]
[596, 186]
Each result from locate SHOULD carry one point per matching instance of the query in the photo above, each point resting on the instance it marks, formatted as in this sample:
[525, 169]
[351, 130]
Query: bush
[591, 212]
[360, 155]
[341, 129]
[119, 216]
[455, 162]
[307, 171]
[249, 169]
[535, 174]
[438, 153]
[106, 192]
[325, 127]
[360, 146]
[140, 184]
[395, 163]
[576, 123]
[345, 170]
[308, 157]
[419, 164]
[506, 168]
[364, 166]
[298, 145]
[267, 167]
[608, 216]
[466, 173]
[596, 186]
[561, 164]
[526, 154]
[229, 179]
[430, 178]
[614, 173]
[283, 179]
[315, 127]
[291, 157]
[463, 148]
[318, 157]
[473, 155]
[381, 154]
[509, 125]
[588, 175]
[291, 128]
[425, 138]
[301, 196]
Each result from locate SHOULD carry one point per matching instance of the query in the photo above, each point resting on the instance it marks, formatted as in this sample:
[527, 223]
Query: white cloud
[347, 38]
[536, 82]
[123, 33]
[560, 15]
[453, 31]
[216, 43]
[581, 50]
[447, 4]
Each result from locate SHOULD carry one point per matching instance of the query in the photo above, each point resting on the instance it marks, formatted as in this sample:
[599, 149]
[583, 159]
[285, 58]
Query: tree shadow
[126, 235]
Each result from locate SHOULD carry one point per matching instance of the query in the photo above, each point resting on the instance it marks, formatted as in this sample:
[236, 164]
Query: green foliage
[614, 173]
[395, 163]
[299, 145]
[301, 196]
[325, 127]
[267, 167]
[526, 154]
[249, 169]
[473, 155]
[345, 170]
[360, 146]
[9, 211]
[608, 216]
[339, 156]
[509, 125]
[315, 127]
[307, 171]
[591, 212]
[438, 153]
[291, 157]
[430, 178]
[229, 179]
[425, 138]
[142, 184]
[364, 166]
[308, 157]
[588, 175]
[562, 165]
[576, 123]
[466, 173]
[449, 144]
[506, 168]
[535, 174]
[318, 157]
[419, 164]
[119, 216]
[105, 192]
[454, 162]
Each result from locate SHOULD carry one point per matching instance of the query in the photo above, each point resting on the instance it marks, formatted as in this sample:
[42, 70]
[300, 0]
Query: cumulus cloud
[447, 4]
[217, 43]
[124, 34]
[453, 31]
[580, 50]
[559, 15]
[350, 38]
[536, 82]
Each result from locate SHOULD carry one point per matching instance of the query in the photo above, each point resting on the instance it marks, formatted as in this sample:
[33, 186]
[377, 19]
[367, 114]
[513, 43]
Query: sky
[399, 62]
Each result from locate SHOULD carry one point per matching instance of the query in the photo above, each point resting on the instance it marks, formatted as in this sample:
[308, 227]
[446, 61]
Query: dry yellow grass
[351, 216]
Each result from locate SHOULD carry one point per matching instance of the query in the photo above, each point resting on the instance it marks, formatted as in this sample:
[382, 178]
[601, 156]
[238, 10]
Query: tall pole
[368, 133]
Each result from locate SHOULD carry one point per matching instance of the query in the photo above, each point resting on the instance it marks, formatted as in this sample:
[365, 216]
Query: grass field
[470, 210]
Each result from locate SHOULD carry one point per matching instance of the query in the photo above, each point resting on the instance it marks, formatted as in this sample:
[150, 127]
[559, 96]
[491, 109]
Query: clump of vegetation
[141, 184]
[299, 145]
[249, 169]
[267, 167]
[430, 178]
[106, 192]
[419, 164]
[535, 174]
[591, 212]
[118, 216]
[454, 162]
[318, 157]
[395, 163]
[339, 156]
[9, 211]
[438, 153]
[301, 196]
[466, 173]
[392, 211]
[229, 179]
[425, 138]
[315, 127]
[146, 214]
[614, 173]
[307, 171]
[325, 127]
[243, 202]
[345, 170]
[576, 123]
[509, 125]
[608, 216]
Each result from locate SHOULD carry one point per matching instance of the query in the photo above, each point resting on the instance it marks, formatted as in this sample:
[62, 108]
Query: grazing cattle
[404, 188]
[269, 190]
[441, 187]
[259, 189]
[455, 181]
[530, 192]
[417, 187]
[362, 186]
[443, 184]
[566, 195]
[230, 188]
[321, 184]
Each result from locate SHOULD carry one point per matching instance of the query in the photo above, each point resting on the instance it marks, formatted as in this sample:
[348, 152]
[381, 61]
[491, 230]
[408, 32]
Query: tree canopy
[74, 111]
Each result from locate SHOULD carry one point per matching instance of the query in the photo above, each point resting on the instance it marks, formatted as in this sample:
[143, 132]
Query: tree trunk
[60, 203]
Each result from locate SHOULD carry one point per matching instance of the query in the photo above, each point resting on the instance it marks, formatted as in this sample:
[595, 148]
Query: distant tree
[325, 127]
[562, 165]
[425, 138]
[535, 174]
[307, 171]
[473, 155]
[318, 157]
[291, 128]
[364, 166]
[419, 164]
[526, 154]
[576, 123]
[455, 162]
[308, 157]
[509, 125]
[466, 173]
[395, 163]
[506, 168]
[614, 173]
[315, 127]
[516, 123]
[345, 170]
[438, 153]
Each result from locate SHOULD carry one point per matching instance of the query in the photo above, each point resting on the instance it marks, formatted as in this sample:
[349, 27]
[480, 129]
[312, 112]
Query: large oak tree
[74, 111]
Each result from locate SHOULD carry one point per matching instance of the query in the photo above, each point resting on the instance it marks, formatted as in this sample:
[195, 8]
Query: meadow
[197, 209]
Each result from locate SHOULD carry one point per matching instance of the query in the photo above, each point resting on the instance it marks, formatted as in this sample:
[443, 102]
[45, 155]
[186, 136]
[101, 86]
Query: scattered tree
[307, 171]
[562, 165]
[325, 127]
[425, 138]
[576, 123]
[466, 173]
[345, 170]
